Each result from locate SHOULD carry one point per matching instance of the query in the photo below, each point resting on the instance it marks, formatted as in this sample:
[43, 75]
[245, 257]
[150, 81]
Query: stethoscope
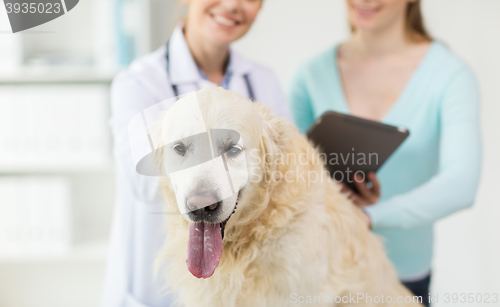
[176, 90]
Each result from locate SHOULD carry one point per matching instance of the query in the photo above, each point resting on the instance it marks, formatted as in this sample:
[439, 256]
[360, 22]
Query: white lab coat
[137, 233]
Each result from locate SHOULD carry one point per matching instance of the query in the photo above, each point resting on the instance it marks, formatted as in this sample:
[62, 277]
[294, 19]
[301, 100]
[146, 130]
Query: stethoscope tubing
[175, 89]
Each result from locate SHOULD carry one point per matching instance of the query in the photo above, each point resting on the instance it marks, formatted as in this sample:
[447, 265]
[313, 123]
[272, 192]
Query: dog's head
[211, 145]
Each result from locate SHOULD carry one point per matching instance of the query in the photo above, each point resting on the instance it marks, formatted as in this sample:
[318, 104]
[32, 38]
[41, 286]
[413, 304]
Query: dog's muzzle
[204, 207]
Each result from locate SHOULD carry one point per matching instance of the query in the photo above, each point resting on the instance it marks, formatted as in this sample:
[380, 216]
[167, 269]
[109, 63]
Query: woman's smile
[366, 11]
[224, 21]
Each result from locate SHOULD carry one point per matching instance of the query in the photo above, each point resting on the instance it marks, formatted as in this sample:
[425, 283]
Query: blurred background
[57, 184]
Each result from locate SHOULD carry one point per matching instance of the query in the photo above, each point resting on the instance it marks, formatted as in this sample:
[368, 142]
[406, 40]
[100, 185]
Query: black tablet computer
[351, 145]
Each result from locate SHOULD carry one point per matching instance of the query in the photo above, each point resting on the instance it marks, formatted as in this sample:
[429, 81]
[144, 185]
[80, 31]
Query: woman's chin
[222, 37]
[365, 25]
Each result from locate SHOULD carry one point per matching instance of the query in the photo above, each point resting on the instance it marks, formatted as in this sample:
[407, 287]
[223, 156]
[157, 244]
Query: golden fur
[286, 236]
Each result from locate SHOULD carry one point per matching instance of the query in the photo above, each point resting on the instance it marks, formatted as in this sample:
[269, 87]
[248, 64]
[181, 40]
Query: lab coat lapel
[183, 69]
[184, 72]
[240, 67]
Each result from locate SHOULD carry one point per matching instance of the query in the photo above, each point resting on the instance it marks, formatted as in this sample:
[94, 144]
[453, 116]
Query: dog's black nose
[203, 201]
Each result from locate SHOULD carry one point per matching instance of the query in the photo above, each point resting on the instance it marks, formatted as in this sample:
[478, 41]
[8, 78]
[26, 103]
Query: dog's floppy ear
[276, 132]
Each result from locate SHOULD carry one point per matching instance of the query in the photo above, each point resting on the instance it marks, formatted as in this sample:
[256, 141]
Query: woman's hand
[367, 195]
[367, 219]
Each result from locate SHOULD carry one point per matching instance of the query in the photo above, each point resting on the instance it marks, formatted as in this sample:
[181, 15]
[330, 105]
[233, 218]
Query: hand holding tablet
[354, 146]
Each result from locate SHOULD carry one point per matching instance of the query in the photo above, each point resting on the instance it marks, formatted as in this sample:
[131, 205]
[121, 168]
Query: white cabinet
[35, 219]
[56, 190]
[56, 166]
[54, 128]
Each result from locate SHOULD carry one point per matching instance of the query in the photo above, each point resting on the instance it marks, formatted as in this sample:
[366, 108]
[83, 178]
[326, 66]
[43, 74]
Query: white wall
[289, 31]
[467, 245]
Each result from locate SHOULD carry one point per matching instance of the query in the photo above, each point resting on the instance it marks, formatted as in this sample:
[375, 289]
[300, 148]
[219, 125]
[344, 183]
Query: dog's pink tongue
[204, 249]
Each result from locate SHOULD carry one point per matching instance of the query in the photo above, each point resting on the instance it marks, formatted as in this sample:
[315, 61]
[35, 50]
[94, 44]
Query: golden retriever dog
[260, 222]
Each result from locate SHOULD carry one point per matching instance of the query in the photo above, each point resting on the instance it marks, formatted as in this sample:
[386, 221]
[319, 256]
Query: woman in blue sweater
[390, 70]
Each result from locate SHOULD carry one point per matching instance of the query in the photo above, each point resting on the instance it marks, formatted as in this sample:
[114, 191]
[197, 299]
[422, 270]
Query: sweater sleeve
[454, 186]
[300, 102]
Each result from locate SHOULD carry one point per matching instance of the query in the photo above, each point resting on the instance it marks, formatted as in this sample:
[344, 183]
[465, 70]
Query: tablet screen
[351, 145]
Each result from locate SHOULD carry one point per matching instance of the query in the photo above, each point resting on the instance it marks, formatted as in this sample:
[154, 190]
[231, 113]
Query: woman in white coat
[197, 55]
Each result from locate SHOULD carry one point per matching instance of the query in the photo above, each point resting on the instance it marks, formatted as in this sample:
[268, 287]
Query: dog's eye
[234, 151]
[180, 149]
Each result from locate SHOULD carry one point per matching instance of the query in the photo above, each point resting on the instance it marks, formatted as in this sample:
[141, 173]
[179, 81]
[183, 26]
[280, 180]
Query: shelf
[57, 75]
[92, 251]
[107, 168]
